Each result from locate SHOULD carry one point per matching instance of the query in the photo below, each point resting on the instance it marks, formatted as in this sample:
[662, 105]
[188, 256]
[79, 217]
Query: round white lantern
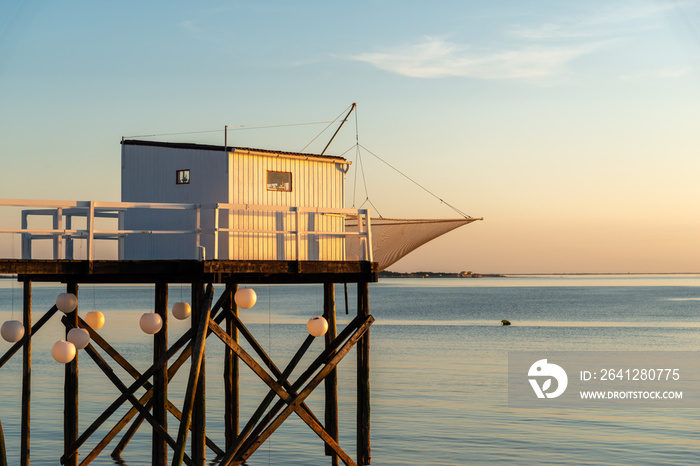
[95, 319]
[63, 351]
[66, 302]
[317, 326]
[79, 337]
[12, 331]
[245, 298]
[181, 311]
[151, 323]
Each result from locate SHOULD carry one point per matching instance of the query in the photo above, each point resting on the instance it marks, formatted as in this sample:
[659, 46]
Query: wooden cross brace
[329, 359]
[127, 393]
[253, 435]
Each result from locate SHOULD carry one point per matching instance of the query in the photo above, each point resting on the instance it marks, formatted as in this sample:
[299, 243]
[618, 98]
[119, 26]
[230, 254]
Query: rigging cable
[232, 128]
[360, 167]
[416, 183]
[357, 155]
[324, 129]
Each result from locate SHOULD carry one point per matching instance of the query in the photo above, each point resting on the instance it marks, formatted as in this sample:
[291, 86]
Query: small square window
[279, 181]
[182, 176]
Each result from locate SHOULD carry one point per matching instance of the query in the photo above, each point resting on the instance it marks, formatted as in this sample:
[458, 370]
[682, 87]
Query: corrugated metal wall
[148, 175]
[314, 184]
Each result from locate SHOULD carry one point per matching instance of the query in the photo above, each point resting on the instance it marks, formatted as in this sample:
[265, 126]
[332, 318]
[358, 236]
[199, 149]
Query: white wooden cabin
[254, 203]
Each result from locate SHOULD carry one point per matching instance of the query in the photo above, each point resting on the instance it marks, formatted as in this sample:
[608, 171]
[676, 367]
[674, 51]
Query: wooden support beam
[70, 392]
[131, 370]
[20, 344]
[3, 453]
[26, 373]
[257, 347]
[174, 367]
[357, 325]
[144, 400]
[295, 402]
[270, 396]
[133, 428]
[198, 345]
[331, 383]
[186, 271]
[347, 306]
[121, 446]
[124, 396]
[159, 454]
[231, 375]
[140, 381]
[364, 456]
[199, 407]
[315, 365]
[107, 370]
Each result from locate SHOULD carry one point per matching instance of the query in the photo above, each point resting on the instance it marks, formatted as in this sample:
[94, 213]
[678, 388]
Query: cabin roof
[193, 146]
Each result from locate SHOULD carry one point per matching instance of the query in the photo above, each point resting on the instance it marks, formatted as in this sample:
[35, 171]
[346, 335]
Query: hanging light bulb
[63, 351]
[12, 331]
[181, 311]
[95, 319]
[79, 337]
[245, 298]
[317, 326]
[151, 323]
[66, 302]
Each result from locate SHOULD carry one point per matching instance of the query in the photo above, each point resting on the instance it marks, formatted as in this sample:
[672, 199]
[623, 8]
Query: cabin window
[279, 181]
[182, 176]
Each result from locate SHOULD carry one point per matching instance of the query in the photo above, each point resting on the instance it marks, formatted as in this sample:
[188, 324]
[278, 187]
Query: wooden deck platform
[188, 271]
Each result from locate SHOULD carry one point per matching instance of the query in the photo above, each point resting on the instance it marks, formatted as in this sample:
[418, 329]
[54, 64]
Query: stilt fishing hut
[203, 216]
[206, 215]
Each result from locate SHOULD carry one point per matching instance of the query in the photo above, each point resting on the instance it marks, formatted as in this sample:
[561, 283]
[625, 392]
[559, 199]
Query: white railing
[290, 230]
[210, 231]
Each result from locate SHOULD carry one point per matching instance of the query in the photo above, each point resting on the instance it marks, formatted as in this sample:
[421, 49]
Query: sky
[569, 126]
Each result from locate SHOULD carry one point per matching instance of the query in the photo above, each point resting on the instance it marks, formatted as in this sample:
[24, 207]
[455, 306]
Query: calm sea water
[438, 374]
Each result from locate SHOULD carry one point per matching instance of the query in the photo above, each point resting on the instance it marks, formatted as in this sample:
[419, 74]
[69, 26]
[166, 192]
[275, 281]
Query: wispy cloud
[522, 51]
[673, 72]
[437, 58]
[617, 20]
[664, 73]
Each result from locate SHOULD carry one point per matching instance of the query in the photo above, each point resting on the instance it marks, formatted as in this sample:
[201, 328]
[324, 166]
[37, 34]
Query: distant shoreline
[389, 274]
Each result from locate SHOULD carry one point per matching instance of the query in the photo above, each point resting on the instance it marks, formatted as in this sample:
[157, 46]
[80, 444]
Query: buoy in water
[505, 322]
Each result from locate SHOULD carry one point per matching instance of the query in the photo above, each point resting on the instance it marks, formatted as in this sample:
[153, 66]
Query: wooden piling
[322, 359]
[70, 392]
[331, 383]
[145, 399]
[199, 418]
[294, 404]
[141, 381]
[364, 456]
[231, 375]
[26, 373]
[3, 454]
[189, 413]
[160, 377]
[107, 370]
